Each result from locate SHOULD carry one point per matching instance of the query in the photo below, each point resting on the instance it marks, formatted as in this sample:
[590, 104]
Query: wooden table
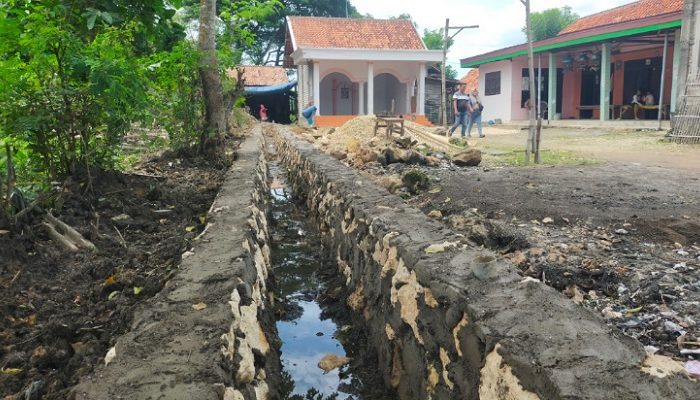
[391, 125]
[595, 109]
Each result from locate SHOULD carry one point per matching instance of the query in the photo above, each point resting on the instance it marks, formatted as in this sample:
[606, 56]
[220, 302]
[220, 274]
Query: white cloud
[500, 21]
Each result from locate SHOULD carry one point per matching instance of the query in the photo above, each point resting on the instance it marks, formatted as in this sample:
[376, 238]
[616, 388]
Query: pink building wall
[520, 113]
[508, 107]
[571, 98]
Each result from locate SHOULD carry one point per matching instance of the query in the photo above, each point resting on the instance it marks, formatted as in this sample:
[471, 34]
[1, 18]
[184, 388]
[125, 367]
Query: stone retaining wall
[450, 320]
[227, 349]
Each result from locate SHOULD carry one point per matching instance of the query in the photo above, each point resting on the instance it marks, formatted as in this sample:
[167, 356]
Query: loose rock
[468, 158]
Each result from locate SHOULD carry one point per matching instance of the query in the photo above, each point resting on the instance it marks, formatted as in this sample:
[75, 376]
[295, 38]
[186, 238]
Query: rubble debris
[415, 180]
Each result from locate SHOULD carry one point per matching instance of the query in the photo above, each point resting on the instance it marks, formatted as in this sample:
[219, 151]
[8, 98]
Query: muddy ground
[60, 312]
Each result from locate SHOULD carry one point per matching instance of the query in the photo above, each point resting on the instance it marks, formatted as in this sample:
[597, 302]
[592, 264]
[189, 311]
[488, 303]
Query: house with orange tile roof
[261, 75]
[351, 67]
[592, 69]
[472, 80]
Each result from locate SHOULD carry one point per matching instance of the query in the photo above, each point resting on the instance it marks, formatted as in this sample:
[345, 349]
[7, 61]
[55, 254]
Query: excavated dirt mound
[61, 312]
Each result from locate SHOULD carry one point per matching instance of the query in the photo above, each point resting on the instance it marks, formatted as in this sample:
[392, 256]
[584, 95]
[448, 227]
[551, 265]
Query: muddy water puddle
[306, 330]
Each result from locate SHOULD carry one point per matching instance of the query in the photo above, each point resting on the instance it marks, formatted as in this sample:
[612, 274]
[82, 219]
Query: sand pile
[357, 143]
[357, 131]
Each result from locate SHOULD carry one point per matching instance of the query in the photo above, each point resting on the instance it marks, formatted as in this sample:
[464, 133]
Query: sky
[500, 21]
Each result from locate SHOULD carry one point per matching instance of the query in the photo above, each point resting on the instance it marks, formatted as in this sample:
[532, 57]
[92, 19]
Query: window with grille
[493, 83]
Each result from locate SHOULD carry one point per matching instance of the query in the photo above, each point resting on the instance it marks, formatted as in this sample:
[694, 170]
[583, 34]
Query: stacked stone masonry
[227, 349]
[451, 320]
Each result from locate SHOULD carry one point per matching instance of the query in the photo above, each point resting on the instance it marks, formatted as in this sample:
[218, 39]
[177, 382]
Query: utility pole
[445, 45]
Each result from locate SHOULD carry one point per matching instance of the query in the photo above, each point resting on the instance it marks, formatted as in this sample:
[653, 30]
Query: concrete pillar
[409, 93]
[361, 102]
[300, 90]
[676, 68]
[605, 82]
[552, 93]
[370, 89]
[420, 107]
[317, 87]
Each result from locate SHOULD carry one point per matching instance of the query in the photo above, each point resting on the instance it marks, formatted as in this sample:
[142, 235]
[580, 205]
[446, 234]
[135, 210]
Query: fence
[685, 126]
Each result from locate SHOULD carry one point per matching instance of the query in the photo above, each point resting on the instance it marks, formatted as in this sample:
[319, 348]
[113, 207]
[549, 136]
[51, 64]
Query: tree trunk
[215, 115]
[531, 145]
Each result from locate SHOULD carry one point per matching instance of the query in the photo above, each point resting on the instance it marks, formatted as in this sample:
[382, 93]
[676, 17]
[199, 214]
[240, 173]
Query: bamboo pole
[663, 79]
[531, 77]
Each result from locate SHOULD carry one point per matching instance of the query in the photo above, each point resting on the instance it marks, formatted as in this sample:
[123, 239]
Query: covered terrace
[592, 69]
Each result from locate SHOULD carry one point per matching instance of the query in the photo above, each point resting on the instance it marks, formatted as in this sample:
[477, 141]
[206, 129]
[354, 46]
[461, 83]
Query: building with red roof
[472, 80]
[592, 68]
[350, 67]
[260, 75]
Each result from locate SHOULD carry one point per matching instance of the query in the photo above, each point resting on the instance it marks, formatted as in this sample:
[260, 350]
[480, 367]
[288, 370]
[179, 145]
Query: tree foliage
[75, 75]
[269, 30]
[548, 23]
[71, 76]
[434, 40]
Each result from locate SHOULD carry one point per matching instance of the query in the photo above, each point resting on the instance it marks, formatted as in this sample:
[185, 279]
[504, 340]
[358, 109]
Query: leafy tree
[550, 22]
[269, 32]
[405, 16]
[434, 40]
[72, 81]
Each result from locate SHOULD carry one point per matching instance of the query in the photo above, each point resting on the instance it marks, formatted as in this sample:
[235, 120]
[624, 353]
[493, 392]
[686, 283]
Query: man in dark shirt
[460, 105]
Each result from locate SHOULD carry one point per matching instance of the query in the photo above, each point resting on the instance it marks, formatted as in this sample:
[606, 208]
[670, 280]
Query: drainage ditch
[322, 351]
[417, 308]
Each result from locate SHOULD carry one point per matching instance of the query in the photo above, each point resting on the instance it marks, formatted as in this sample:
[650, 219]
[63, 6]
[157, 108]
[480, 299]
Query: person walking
[475, 109]
[460, 105]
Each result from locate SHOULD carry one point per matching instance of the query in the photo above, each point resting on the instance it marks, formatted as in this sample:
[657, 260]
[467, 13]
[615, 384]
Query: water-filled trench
[311, 323]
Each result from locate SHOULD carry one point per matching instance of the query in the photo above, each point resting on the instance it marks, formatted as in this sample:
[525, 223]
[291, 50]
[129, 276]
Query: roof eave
[351, 54]
[608, 32]
[291, 33]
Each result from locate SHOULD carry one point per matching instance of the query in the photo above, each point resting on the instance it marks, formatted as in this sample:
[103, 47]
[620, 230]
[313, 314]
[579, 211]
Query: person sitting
[636, 101]
[544, 107]
[647, 103]
[649, 99]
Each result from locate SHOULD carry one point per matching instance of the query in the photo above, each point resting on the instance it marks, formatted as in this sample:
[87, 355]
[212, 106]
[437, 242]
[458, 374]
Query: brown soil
[61, 312]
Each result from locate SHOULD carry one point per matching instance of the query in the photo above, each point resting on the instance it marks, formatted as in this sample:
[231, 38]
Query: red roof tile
[348, 33]
[258, 75]
[629, 12]
[472, 80]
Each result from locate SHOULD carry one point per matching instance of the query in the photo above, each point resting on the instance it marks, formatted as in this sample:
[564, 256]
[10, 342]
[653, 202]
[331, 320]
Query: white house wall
[342, 106]
[357, 72]
[386, 89]
[498, 106]
[405, 72]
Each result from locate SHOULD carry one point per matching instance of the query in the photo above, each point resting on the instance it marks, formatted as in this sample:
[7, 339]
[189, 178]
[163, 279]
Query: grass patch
[462, 143]
[548, 157]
